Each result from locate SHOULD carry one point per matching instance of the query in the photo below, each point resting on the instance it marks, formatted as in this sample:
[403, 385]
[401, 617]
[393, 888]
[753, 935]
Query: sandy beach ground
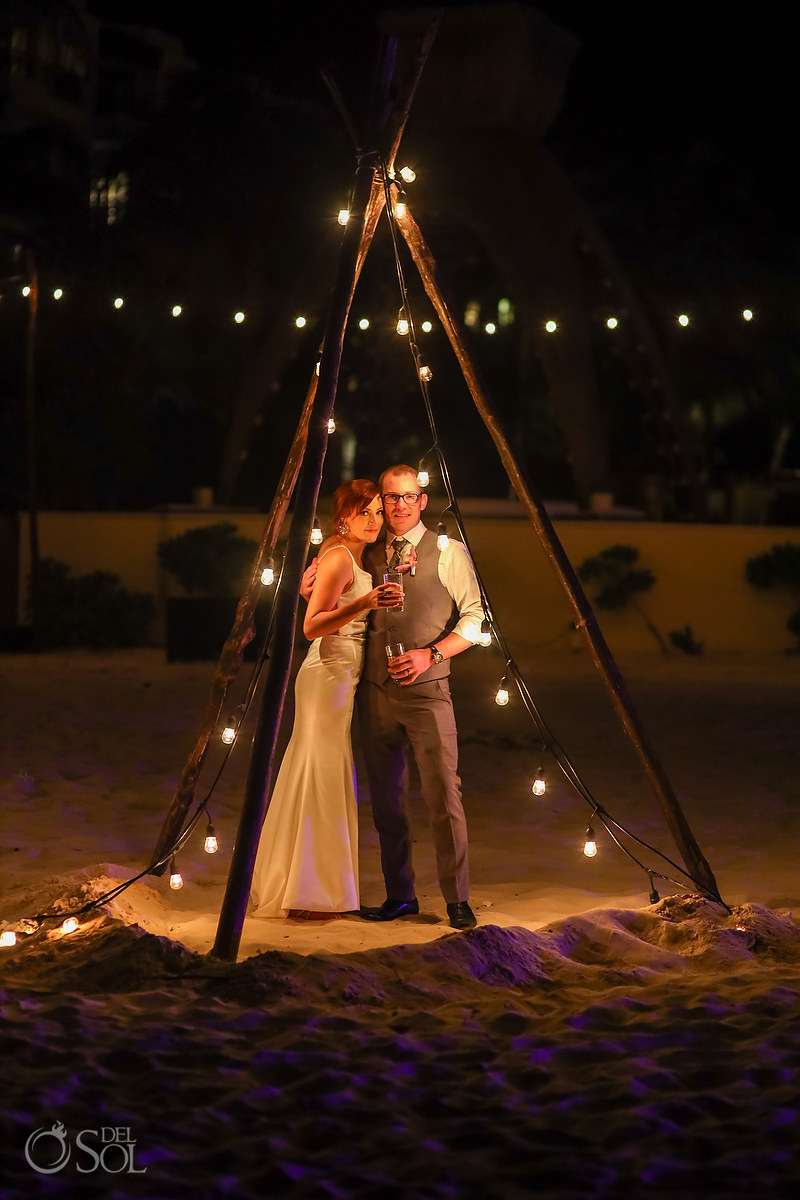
[581, 1042]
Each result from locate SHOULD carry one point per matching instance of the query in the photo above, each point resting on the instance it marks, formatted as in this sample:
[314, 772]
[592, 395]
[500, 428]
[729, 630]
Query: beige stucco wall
[699, 571]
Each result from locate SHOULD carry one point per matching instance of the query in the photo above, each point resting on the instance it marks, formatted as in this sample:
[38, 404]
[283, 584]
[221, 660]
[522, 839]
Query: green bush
[210, 559]
[620, 582]
[684, 639]
[87, 610]
[612, 569]
[779, 567]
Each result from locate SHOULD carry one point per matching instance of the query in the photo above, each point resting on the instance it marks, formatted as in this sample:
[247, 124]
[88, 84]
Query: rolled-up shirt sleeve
[457, 575]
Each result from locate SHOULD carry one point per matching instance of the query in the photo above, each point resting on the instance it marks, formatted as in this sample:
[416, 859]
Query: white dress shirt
[457, 577]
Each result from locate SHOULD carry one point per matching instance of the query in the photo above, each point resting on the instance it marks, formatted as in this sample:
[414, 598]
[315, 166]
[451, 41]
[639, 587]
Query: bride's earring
[342, 528]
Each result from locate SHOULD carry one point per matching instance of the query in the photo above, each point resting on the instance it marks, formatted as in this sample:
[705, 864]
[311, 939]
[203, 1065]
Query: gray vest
[429, 611]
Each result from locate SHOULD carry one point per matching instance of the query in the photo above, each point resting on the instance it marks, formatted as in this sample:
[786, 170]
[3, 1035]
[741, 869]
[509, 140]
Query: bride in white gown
[307, 860]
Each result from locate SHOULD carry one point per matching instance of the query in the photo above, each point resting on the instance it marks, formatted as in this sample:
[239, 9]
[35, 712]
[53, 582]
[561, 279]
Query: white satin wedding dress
[308, 853]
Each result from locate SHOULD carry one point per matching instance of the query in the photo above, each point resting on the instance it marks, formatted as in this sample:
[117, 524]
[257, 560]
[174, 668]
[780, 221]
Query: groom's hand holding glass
[408, 666]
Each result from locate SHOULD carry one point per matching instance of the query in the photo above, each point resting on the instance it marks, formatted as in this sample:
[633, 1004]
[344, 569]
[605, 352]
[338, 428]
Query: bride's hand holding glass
[385, 595]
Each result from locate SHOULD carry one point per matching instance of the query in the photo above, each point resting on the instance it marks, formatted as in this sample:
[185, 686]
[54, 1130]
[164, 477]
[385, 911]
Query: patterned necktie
[399, 544]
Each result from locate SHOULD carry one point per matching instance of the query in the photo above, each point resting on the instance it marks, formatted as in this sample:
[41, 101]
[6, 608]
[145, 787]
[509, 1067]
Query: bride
[307, 860]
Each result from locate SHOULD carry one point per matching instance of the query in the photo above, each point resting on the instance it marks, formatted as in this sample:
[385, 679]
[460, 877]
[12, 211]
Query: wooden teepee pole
[31, 415]
[368, 200]
[242, 633]
[231, 657]
[586, 621]
[262, 756]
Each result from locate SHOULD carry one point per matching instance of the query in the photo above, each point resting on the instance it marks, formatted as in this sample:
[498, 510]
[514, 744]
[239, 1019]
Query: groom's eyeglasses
[394, 498]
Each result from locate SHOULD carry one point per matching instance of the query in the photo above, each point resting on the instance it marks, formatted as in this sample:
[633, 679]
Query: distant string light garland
[489, 327]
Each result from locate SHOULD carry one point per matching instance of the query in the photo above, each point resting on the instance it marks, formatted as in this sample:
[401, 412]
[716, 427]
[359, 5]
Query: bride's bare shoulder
[330, 544]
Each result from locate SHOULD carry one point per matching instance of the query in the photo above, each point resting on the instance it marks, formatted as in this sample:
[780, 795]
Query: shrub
[613, 570]
[87, 610]
[779, 567]
[683, 639]
[210, 559]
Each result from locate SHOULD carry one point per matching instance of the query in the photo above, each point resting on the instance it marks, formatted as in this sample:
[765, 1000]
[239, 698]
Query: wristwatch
[436, 657]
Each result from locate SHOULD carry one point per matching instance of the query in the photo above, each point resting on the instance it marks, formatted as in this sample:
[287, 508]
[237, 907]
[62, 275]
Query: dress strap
[340, 547]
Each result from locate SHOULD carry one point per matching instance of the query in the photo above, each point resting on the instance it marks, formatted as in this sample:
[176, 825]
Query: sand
[581, 1042]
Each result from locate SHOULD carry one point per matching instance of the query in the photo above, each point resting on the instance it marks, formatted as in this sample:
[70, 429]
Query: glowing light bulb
[490, 327]
[268, 574]
[69, 925]
[118, 303]
[550, 326]
[400, 209]
[408, 174]
[229, 732]
[683, 320]
[26, 291]
[502, 693]
[300, 322]
[58, 293]
[175, 877]
[210, 845]
[590, 845]
[363, 323]
[316, 533]
[176, 310]
[8, 938]
[423, 478]
[442, 540]
[426, 326]
[344, 216]
[612, 322]
[747, 313]
[425, 373]
[331, 425]
[238, 317]
[539, 785]
[317, 367]
[485, 638]
[402, 322]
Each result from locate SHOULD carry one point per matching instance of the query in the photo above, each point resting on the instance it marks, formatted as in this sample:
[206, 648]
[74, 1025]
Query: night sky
[678, 114]
[675, 129]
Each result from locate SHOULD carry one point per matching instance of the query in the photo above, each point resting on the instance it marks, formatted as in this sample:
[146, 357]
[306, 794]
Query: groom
[407, 704]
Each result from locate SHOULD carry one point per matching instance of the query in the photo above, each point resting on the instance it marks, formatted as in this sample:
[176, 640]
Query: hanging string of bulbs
[69, 922]
[490, 630]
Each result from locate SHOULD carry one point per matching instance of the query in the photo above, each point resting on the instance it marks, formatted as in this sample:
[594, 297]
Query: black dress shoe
[390, 909]
[461, 915]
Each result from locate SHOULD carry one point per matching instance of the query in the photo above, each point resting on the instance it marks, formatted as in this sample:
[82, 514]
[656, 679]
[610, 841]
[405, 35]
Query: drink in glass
[394, 650]
[396, 578]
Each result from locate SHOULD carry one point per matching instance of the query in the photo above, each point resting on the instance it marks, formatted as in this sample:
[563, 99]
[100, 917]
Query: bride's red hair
[349, 498]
